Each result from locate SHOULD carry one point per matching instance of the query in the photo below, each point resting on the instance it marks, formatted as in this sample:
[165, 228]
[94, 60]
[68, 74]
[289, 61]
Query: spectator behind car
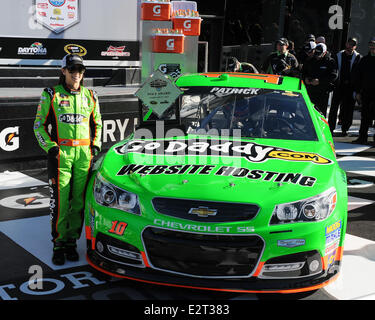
[306, 53]
[308, 45]
[291, 48]
[320, 74]
[320, 39]
[233, 65]
[364, 86]
[347, 60]
[310, 37]
[281, 62]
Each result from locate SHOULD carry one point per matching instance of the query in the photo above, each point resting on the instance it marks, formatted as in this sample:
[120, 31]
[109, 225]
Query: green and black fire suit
[68, 127]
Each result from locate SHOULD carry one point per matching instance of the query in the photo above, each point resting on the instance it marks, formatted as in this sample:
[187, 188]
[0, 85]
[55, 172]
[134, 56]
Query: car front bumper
[234, 257]
[243, 285]
[234, 263]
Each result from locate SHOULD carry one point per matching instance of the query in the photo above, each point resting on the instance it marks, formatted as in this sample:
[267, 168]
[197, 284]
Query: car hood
[224, 170]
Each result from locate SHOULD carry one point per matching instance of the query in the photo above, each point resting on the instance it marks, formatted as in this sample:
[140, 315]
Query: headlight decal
[316, 208]
[109, 195]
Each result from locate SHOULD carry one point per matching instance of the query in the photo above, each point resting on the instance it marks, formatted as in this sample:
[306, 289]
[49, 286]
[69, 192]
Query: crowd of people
[346, 74]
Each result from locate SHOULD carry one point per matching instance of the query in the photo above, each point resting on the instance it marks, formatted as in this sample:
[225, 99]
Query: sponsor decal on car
[203, 212]
[203, 228]
[237, 172]
[332, 234]
[228, 91]
[291, 243]
[253, 152]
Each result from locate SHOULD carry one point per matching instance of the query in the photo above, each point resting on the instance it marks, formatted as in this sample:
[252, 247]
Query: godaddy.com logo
[210, 144]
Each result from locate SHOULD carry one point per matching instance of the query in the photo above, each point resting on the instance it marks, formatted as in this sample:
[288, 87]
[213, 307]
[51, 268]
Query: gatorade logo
[170, 44]
[187, 24]
[157, 10]
[9, 139]
[29, 201]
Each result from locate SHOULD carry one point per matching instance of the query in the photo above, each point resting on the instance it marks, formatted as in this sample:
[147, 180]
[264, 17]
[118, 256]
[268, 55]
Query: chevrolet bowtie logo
[203, 212]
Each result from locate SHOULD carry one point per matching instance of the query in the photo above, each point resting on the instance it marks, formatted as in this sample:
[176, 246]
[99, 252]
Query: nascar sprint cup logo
[253, 152]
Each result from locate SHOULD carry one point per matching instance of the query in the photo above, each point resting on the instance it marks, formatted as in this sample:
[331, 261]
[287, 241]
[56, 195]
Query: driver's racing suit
[71, 141]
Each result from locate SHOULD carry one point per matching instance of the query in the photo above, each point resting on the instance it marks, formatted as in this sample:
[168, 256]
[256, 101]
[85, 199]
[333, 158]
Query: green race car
[235, 187]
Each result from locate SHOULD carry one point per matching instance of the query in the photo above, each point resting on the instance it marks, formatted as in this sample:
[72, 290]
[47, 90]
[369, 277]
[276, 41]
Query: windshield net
[248, 112]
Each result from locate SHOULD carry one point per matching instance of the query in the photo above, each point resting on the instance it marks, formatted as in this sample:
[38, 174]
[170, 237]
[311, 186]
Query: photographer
[281, 62]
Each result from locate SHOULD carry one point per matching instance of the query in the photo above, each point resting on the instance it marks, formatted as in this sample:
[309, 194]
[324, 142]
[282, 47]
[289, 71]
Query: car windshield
[248, 112]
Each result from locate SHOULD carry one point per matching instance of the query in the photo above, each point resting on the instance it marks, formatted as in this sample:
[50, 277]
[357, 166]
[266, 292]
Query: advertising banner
[49, 49]
[18, 141]
[41, 32]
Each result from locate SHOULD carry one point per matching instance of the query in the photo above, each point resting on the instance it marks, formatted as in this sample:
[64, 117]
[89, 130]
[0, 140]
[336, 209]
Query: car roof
[237, 79]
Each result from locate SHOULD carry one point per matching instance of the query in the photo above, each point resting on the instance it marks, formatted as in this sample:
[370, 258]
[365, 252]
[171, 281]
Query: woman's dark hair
[62, 79]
